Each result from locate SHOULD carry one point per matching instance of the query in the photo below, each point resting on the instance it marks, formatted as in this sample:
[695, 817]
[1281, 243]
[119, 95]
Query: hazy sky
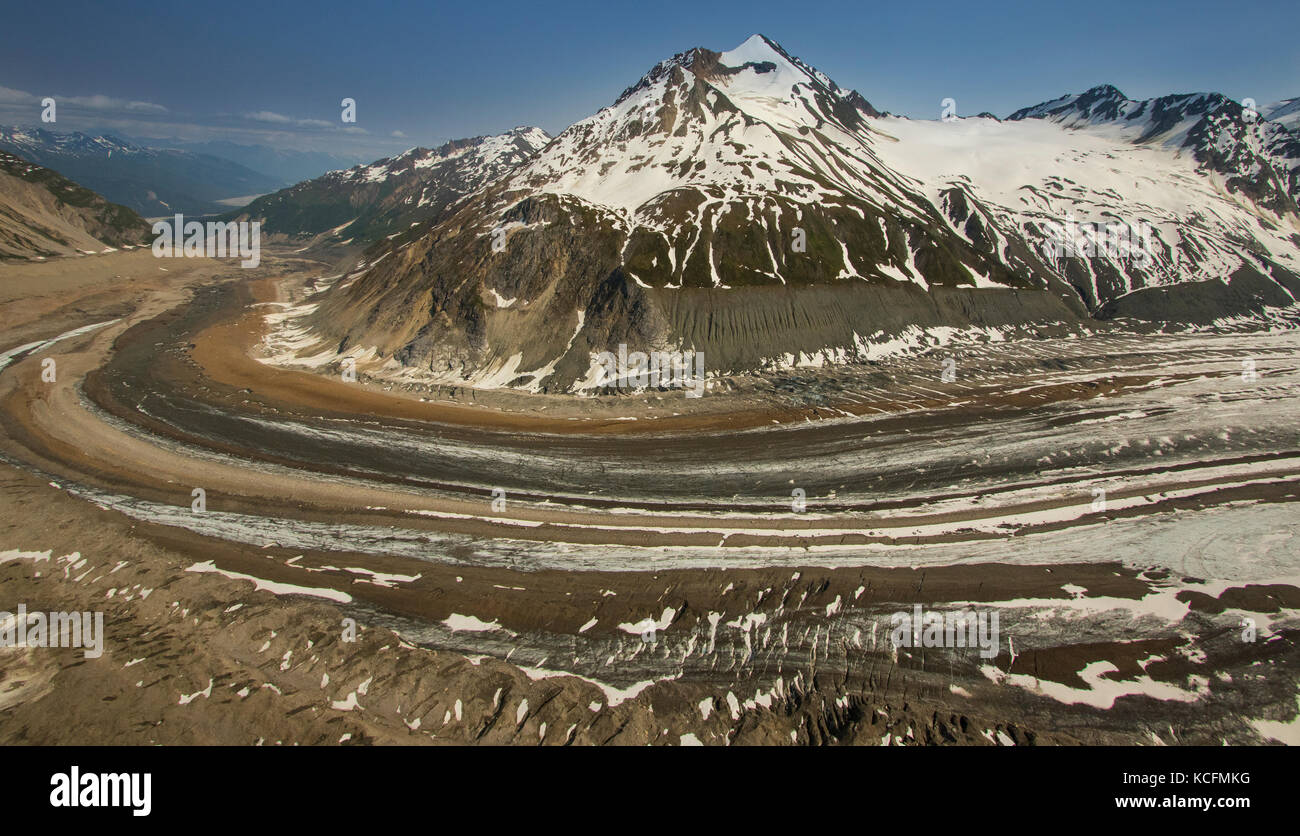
[275, 72]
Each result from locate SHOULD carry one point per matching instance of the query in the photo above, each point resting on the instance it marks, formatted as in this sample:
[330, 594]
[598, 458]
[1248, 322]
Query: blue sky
[431, 71]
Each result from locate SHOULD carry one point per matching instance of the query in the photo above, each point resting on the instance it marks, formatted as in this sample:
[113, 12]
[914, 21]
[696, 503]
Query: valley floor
[654, 569]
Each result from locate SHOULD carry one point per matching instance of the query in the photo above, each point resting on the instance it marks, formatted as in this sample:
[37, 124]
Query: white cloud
[10, 96]
[268, 116]
[145, 107]
[110, 103]
[273, 118]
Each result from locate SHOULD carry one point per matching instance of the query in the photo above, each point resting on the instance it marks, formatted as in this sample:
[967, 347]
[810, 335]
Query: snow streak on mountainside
[368, 202]
[744, 205]
[45, 214]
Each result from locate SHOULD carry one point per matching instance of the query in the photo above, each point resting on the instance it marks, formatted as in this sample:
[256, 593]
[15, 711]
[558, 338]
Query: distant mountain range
[44, 214]
[285, 166]
[153, 182]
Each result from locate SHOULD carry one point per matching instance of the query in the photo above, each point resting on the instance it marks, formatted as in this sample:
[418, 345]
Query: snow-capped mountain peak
[751, 124]
[78, 143]
[1252, 153]
[1167, 119]
[759, 77]
[492, 155]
